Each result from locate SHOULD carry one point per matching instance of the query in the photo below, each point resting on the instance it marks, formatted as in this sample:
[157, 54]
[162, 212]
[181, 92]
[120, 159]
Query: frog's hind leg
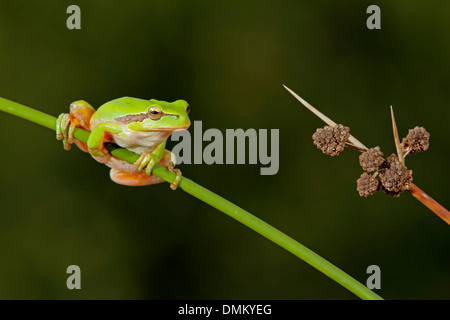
[126, 174]
[79, 116]
[81, 145]
[133, 179]
[83, 112]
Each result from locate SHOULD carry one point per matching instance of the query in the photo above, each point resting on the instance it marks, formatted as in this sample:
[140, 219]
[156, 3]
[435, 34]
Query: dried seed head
[394, 176]
[390, 193]
[367, 185]
[371, 159]
[331, 140]
[417, 140]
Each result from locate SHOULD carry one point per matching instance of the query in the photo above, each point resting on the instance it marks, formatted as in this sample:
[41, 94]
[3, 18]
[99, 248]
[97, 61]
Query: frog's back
[118, 108]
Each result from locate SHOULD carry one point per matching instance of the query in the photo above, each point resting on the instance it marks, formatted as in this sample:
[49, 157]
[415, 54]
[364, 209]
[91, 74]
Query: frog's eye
[188, 109]
[154, 113]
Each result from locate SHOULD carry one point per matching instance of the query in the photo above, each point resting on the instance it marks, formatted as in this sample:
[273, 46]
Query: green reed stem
[214, 200]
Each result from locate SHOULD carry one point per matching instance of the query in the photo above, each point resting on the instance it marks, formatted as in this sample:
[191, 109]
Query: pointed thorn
[398, 145]
[324, 118]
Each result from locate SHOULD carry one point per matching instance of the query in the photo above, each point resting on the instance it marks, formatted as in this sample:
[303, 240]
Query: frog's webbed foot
[65, 125]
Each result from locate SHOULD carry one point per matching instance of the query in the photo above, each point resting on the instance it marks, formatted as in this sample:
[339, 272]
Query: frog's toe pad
[133, 179]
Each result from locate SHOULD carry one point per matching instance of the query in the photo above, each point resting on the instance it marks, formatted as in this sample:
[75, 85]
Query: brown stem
[420, 195]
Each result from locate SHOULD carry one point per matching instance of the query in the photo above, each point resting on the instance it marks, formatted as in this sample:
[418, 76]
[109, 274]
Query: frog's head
[153, 115]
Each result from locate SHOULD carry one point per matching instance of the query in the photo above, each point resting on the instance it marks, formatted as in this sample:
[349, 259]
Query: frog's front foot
[147, 161]
[101, 155]
[65, 125]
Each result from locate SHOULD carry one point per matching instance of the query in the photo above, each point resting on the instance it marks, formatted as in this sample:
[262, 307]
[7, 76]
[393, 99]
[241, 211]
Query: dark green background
[228, 59]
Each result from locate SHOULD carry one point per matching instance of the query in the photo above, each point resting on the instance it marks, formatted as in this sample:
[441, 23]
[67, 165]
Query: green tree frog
[141, 126]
